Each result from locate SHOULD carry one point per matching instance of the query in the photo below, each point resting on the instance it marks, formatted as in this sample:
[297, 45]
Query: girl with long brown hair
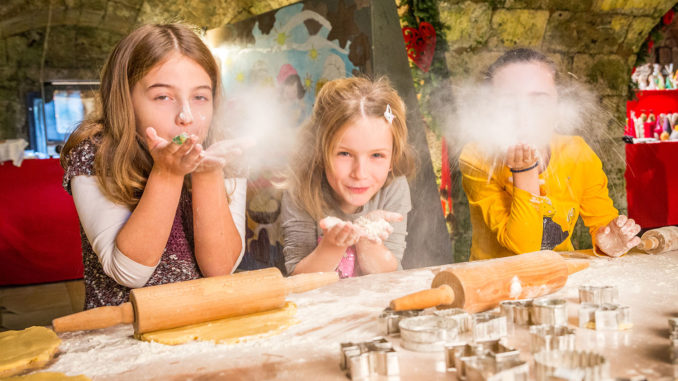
[149, 188]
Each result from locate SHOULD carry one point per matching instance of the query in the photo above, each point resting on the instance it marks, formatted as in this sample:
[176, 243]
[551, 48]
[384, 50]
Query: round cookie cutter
[552, 338]
[598, 294]
[570, 365]
[389, 319]
[427, 333]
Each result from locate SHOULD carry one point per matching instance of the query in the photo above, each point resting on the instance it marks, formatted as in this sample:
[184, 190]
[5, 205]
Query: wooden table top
[349, 310]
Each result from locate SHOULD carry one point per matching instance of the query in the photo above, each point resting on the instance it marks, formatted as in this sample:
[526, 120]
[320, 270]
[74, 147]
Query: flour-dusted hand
[338, 232]
[521, 156]
[618, 237]
[168, 156]
[375, 225]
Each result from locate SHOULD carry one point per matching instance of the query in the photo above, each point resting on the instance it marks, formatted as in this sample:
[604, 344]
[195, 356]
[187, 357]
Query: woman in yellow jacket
[532, 199]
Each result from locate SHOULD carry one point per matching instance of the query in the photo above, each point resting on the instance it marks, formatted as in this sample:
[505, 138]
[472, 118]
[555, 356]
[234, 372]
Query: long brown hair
[341, 101]
[122, 162]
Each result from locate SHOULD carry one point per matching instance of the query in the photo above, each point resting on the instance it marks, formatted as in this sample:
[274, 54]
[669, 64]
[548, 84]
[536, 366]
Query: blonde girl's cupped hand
[618, 237]
[340, 234]
[376, 226]
[170, 157]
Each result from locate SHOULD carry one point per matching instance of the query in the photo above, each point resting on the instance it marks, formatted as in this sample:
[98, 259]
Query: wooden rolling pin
[195, 301]
[659, 240]
[481, 285]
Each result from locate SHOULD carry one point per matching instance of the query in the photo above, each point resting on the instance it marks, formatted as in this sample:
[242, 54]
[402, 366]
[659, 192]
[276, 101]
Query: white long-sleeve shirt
[102, 219]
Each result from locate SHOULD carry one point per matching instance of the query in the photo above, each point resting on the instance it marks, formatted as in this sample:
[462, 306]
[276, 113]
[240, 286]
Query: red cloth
[39, 228]
[652, 183]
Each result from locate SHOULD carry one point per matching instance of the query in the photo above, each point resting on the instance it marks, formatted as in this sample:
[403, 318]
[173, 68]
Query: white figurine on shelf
[641, 76]
[656, 80]
[639, 124]
[668, 77]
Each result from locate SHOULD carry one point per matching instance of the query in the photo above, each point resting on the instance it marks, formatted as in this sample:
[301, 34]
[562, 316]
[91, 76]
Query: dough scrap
[230, 330]
[30, 348]
[48, 376]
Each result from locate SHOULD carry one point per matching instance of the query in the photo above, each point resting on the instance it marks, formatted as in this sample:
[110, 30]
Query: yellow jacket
[509, 221]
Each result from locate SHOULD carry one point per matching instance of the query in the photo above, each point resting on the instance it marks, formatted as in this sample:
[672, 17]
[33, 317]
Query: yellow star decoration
[240, 77]
[282, 37]
[313, 53]
[308, 81]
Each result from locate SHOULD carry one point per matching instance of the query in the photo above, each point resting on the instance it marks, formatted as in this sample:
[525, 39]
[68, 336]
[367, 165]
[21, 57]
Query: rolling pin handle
[95, 318]
[576, 265]
[306, 282]
[441, 295]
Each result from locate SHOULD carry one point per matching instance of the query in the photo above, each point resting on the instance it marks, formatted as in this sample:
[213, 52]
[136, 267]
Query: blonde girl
[352, 162]
[153, 209]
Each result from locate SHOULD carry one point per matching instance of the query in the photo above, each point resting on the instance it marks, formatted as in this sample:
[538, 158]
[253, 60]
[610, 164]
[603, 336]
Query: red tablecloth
[652, 183]
[39, 230]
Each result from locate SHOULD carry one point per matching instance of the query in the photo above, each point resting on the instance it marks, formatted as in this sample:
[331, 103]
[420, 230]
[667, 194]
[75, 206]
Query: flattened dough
[26, 349]
[48, 376]
[230, 330]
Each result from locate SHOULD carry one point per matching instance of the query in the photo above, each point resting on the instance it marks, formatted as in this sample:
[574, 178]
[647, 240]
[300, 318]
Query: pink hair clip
[388, 114]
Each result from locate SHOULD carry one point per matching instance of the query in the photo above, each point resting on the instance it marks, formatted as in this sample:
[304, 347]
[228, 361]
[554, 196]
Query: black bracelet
[533, 166]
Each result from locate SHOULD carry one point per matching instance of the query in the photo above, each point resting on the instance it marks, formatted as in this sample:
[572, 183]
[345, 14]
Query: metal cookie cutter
[570, 365]
[674, 347]
[549, 311]
[375, 357]
[462, 317]
[598, 294]
[673, 324]
[483, 359]
[389, 319]
[551, 338]
[517, 311]
[606, 316]
[489, 326]
[673, 336]
[486, 368]
[427, 333]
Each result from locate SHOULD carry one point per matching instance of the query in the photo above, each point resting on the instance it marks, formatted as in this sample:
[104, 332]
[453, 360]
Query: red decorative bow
[420, 44]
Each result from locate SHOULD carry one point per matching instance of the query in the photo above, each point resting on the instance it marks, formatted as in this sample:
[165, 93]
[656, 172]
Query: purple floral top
[176, 264]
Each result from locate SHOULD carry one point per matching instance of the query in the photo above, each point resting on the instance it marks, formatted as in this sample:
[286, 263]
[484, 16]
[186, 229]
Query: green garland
[655, 36]
[412, 12]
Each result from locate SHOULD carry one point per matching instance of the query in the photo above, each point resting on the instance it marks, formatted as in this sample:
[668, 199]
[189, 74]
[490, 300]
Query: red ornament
[650, 45]
[668, 17]
[420, 44]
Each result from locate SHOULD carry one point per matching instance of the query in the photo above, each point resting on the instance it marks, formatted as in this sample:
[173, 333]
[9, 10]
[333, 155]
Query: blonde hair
[339, 102]
[122, 162]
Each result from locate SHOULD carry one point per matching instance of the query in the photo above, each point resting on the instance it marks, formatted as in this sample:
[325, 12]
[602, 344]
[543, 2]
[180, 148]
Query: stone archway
[81, 34]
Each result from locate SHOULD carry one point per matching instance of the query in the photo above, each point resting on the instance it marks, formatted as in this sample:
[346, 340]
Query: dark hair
[520, 55]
